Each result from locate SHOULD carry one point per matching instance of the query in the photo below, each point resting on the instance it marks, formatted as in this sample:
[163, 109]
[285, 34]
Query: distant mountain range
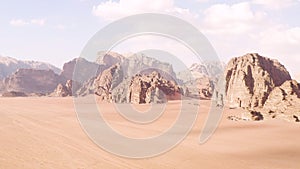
[253, 82]
[10, 65]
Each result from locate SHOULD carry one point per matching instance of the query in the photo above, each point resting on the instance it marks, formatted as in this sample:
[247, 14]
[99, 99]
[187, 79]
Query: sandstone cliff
[152, 88]
[251, 78]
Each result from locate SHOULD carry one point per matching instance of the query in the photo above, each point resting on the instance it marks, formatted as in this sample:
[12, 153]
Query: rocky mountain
[127, 68]
[200, 70]
[86, 70]
[109, 58]
[251, 78]
[137, 63]
[32, 81]
[9, 65]
[153, 88]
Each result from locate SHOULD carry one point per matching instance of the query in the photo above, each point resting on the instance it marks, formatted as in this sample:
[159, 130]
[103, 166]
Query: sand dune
[45, 133]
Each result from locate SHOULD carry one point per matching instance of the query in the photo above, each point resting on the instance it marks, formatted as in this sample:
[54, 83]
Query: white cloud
[20, 22]
[39, 22]
[110, 10]
[275, 4]
[282, 42]
[236, 19]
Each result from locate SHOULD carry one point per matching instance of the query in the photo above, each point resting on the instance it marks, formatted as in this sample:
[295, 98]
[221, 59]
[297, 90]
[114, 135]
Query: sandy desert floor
[45, 133]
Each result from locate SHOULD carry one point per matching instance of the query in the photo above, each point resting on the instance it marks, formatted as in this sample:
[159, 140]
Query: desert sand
[45, 133]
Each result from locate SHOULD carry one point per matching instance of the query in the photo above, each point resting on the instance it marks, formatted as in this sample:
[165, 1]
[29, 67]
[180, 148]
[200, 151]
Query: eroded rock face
[107, 81]
[284, 101]
[152, 88]
[201, 88]
[63, 90]
[86, 70]
[251, 78]
[32, 81]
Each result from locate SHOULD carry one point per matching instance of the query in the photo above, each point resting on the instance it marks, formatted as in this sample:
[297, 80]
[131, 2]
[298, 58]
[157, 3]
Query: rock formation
[86, 70]
[201, 88]
[251, 78]
[107, 81]
[32, 81]
[152, 89]
[63, 90]
[284, 101]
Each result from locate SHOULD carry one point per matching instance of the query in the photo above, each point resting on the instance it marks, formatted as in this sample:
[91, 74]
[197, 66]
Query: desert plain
[44, 132]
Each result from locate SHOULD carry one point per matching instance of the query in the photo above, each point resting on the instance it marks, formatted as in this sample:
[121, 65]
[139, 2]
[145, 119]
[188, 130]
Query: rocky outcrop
[14, 94]
[152, 88]
[251, 78]
[284, 101]
[63, 90]
[32, 81]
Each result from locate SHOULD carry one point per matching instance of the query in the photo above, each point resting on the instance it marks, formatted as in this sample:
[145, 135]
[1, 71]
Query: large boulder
[251, 78]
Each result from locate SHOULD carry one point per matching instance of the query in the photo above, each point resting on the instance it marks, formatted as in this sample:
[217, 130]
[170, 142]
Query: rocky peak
[109, 58]
[251, 78]
[87, 69]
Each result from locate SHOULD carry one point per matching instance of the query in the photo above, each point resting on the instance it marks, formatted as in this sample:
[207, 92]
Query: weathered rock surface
[63, 90]
[284, 101]
[152, 88]
[107, 81]
[251, 78]
[32, 81]
[86, 70]
[127, 68]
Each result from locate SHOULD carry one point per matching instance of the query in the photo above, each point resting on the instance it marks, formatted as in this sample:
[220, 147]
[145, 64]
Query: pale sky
[56, 31]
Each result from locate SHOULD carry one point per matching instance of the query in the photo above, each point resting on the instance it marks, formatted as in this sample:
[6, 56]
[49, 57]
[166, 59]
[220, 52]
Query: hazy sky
[55, 31]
